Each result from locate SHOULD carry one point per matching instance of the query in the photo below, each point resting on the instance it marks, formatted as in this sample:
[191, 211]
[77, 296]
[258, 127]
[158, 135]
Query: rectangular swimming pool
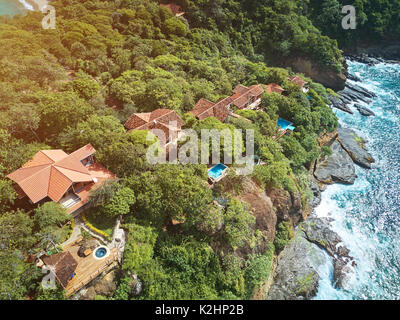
[216, 171]
[285, 125]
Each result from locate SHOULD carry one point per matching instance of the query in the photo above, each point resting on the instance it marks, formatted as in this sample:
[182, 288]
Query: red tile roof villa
[205, 109]
[158, 119]
[60, 177]
[245, 97]
[299, 81]
[274, 88]
[242, 98]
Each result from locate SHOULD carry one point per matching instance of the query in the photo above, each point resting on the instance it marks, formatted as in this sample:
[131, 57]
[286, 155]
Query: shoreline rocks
[355, 147]
[317, 231]
[364, 110]
[337, 168]
[340, 104]
[353, 93]
[296, 275]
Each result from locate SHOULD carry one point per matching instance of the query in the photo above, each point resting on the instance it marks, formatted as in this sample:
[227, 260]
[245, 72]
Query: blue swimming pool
[285, 125]
[217, 171]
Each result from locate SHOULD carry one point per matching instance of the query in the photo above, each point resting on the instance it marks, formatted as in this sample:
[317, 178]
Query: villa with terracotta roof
[163, 119]
[299, 81]
[205, 109]
[243, 98]
[247, 97]
[274, 88]
[53, 175]
[174, 8]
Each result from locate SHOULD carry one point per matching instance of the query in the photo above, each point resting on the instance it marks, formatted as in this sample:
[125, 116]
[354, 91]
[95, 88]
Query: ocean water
[12, 7]
[367, 214]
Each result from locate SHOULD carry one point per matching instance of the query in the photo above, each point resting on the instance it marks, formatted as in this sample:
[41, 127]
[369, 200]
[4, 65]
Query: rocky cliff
[296, 275]
[329, 78]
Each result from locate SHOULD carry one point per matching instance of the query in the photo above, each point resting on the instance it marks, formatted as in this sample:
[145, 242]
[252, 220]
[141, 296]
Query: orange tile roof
[298, 80]
[273, 87]
[84, 152]
[205, 109]
[50, 173]
[201, 106]
[243, 94]
[240, 89]
[156, 118]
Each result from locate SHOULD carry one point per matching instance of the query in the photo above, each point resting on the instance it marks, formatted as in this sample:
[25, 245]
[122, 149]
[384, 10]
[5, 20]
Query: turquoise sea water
[11, 7]
[367, 214]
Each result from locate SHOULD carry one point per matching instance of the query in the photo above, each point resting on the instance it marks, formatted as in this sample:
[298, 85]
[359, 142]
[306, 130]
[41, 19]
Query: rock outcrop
[353, 95]
[104, 286]
[288, 206]
[340, 104]
[89, 245]
[317, 231]
[337, 168]
[316, 200]
[262, 208]
[364, 110]
[328, 77]
[296, 275]
[360, 90]
[355, 147]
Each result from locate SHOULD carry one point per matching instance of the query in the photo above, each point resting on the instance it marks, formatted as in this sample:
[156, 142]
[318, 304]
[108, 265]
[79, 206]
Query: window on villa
[88, 161]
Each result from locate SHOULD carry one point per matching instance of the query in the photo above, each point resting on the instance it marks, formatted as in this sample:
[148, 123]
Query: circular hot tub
[101, 252]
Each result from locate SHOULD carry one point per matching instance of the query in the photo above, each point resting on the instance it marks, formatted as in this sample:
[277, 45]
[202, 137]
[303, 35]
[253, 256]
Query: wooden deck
[88, 268]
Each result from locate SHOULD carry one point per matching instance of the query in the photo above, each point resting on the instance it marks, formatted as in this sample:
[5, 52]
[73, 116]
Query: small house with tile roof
[53, 175]
[163, 119]
[243, 98]
[300, 82]
[247, 97]
[205, 109]
[274, 88]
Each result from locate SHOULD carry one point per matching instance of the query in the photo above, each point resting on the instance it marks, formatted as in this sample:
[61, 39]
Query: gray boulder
[361, 90]
[296, 276]
[317, 231]
[337, 168]
[89, 244]
[364, 110]
[355, 147]
[316, 200]
[339, 104]
[354, 95]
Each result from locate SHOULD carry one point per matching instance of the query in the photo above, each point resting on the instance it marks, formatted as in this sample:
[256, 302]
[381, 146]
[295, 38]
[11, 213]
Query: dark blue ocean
[367, 214]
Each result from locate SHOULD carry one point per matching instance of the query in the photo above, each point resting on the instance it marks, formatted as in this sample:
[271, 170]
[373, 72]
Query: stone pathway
[76, 232]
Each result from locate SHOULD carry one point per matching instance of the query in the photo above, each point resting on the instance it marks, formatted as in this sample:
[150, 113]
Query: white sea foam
[26, 5]
[365, 212]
